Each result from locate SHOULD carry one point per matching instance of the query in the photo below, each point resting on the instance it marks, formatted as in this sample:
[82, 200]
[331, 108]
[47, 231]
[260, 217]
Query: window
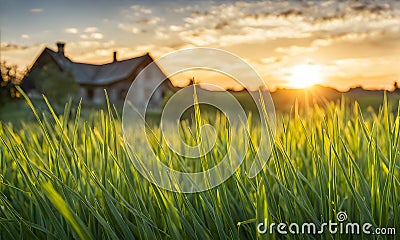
[90, 93]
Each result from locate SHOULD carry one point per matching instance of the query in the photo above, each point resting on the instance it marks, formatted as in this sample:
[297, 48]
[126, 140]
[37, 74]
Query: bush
[10, 76]
[55, 84]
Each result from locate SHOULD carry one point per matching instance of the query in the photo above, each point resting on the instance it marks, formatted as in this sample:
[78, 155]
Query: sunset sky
[334, 43]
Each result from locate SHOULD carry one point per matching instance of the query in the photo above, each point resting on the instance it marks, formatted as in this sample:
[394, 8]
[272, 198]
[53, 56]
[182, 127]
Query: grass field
[66, 177]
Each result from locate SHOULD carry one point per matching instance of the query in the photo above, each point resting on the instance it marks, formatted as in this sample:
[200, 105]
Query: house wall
[117, 92]
[157, 97]
[99, 95]
[82, 93]
[92, 94]
[150, 79]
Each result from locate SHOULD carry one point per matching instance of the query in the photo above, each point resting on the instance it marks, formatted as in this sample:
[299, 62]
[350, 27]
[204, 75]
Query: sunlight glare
[304, 76]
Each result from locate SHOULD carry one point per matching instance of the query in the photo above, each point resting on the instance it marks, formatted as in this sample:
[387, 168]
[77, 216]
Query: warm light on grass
[67, 177]
[304, 76]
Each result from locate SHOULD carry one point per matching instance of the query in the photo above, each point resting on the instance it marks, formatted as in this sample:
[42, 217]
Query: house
[91, 79]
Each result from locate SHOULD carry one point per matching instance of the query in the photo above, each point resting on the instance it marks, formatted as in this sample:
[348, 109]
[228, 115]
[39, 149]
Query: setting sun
[304, 76]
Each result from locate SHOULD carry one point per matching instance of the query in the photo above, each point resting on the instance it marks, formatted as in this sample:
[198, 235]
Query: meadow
[64, 176]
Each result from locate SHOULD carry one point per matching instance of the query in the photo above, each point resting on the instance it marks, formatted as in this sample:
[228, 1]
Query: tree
[10, 77]
[54, 83]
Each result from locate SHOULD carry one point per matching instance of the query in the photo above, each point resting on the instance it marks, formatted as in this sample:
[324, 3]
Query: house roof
[92, 74]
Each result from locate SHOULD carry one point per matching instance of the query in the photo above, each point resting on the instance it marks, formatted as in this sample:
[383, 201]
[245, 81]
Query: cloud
[207, 36]
[101, 52]
[94, 35]
[296, 50]
[140, 19]
[25, 36]
[130, 28]
[141, 9]
[36, 10]
[71, 30]
[149, 21]
[12, 47]
[364, 66]
[145, 48]
[248, 22]
[271, 60]
[90, 30]
[175, 28]
[370, 72]
[91, 44]
[272, 34]
[183, 9]
[161, 33]
[20, 55]
[91, 33]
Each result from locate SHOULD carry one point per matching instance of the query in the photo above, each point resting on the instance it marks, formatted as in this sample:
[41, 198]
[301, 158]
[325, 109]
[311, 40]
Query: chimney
[60, 46]
[114, 56]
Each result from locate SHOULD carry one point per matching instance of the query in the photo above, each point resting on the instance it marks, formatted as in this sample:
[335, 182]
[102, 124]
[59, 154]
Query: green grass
[67, 177]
